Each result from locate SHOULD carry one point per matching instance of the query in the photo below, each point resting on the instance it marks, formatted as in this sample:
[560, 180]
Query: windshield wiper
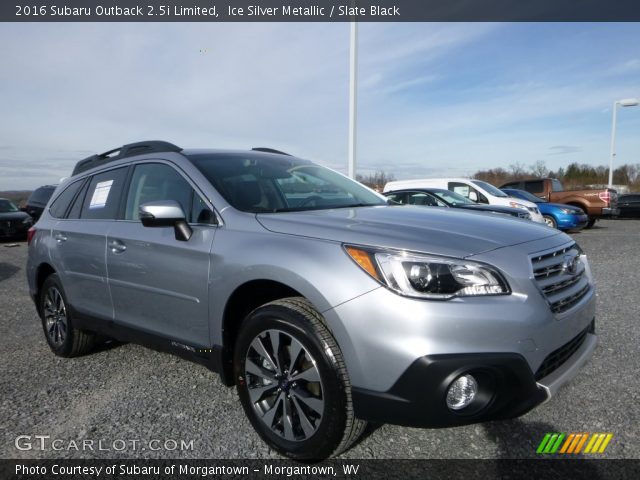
[324, 207]
[354, 205]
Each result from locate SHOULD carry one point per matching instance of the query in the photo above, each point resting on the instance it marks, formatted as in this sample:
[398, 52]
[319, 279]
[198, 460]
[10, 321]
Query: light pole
[627, 102]
[353, 97]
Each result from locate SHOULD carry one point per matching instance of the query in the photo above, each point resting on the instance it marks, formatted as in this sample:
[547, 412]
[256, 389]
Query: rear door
[159, 284]
[81, 243]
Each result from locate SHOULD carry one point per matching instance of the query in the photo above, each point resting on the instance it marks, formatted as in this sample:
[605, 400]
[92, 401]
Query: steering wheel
[308, 200]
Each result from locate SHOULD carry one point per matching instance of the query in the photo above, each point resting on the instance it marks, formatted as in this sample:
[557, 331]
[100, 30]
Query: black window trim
[67, 210]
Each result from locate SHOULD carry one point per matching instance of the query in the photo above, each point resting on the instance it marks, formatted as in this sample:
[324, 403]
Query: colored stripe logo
[574, 443]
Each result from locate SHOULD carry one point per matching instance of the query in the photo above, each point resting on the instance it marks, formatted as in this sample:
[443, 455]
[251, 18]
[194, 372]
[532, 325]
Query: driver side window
[152, 182]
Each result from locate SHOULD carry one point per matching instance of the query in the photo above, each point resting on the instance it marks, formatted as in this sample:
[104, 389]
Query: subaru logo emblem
[570, 264]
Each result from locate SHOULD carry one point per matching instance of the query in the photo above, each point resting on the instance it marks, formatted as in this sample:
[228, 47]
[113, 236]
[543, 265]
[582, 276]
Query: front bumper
[569, 222]
[507, 388]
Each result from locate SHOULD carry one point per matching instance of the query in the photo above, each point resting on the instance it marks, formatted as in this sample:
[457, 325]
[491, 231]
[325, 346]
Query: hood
[561, 205]
[442, 231]
[13, 216]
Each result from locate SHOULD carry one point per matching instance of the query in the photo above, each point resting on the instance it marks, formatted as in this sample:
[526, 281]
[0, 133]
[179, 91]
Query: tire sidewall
[64, 349]
[333, 423]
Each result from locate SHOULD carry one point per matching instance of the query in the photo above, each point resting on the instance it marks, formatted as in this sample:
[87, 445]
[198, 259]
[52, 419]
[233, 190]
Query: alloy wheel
[284, 385]
[55, 316]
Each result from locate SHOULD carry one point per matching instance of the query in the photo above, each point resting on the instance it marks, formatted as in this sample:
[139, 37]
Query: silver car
[325, 306]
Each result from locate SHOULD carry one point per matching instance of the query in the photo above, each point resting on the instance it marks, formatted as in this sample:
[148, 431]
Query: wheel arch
[244, 299]
[43, 272]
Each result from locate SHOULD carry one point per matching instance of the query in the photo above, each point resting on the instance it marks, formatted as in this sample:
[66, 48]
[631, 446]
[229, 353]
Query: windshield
[525, 196]
[490, 189]
[7, 206]
[262, 183]
[452, 198]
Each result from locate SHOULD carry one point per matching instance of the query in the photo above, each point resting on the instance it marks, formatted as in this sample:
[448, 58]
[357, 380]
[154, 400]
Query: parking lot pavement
[132, 396]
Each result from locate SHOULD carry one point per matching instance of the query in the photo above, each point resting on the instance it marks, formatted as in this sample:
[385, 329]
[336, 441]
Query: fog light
[462, 392]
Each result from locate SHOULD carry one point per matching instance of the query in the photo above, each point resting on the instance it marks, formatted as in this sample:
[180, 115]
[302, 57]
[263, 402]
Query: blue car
[556, 215]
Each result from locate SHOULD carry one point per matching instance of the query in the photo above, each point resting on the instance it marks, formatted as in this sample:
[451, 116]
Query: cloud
[77, 89]
[564, 149]
[433, 100]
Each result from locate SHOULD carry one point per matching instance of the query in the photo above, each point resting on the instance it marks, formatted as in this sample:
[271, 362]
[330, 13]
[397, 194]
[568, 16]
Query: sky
[433, 99]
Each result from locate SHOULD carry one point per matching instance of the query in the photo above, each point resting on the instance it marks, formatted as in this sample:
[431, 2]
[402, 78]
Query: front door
[159, 284]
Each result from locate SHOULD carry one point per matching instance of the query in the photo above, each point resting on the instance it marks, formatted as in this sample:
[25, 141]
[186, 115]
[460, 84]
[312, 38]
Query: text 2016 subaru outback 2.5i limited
[324, 305]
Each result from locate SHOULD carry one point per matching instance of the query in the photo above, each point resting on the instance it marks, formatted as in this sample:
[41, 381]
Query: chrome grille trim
[562, 286]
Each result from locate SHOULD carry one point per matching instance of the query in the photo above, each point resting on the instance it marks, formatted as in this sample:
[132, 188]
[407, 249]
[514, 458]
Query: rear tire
[550, 221]
[63, 338]
[293, 383]
[591, 223]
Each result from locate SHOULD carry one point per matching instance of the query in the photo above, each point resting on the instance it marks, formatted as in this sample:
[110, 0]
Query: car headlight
[428, 276]
[27, 221]
[517, 205]
[571, 211]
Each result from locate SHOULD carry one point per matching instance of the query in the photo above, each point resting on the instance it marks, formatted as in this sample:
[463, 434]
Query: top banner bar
[320, 11]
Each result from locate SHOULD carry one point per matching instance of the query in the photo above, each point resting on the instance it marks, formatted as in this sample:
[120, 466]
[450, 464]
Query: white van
[476, 190]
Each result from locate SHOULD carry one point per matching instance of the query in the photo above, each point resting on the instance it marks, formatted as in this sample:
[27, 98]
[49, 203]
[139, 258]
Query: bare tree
[376, 180]
[539, 169]
[518, 170]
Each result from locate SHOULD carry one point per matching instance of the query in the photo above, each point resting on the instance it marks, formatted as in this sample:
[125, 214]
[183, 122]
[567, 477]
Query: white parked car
[476, 190]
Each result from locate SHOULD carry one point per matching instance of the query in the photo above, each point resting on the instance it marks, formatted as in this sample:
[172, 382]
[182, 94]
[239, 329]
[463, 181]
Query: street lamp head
[628, 102]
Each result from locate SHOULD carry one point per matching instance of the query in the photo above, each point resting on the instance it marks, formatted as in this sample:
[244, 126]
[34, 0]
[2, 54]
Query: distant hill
[19, 197]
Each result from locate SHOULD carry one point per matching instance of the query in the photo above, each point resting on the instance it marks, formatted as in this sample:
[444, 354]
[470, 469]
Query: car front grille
[561, 277]
[556, 358]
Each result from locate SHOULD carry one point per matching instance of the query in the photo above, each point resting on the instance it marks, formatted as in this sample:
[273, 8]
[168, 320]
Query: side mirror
[166, 213]
[473, 196]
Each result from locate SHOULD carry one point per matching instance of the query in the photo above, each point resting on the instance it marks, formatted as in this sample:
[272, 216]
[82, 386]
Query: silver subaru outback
[323, 304]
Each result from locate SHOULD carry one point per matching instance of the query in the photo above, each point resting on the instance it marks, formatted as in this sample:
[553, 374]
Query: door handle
[116, 246]
[60, 237]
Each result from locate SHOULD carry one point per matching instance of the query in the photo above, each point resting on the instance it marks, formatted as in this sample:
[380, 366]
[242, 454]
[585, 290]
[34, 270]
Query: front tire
[63, 338]
[550, 221]
[293, 383]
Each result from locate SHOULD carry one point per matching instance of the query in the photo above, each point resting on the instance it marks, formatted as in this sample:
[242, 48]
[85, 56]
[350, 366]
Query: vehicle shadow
[7, 270]
[104, 344]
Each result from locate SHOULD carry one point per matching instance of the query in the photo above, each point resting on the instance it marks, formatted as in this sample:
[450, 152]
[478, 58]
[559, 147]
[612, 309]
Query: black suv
[38, 200]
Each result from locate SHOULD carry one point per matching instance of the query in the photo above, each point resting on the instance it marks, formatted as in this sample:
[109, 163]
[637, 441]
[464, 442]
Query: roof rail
[269, 150]
[128, 150]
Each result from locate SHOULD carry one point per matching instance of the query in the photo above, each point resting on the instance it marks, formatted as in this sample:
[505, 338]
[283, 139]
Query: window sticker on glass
[100, 194]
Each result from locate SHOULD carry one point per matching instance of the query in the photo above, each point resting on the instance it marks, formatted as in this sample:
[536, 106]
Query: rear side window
[536, 186]
[61, 204]
[556, 186]
[103, 196]
[41, 196]
[76, 207]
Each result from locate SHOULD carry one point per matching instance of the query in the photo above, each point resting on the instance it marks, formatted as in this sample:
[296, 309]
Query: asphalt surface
[127, 393]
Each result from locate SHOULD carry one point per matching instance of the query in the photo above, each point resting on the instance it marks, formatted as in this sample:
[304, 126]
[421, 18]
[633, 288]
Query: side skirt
[210, 357]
